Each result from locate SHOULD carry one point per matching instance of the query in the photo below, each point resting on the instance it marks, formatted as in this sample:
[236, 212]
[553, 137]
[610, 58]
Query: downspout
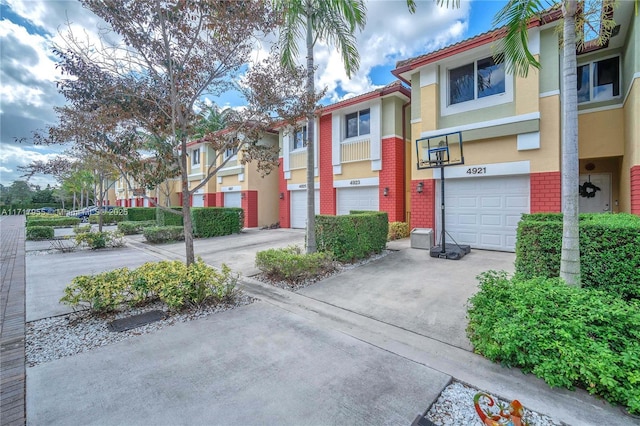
[404, 160]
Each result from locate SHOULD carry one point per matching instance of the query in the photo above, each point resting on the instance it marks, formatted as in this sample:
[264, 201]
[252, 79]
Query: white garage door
[299, 208]
[232, 199]
[361, 198]
[483, 212]
[197, 200]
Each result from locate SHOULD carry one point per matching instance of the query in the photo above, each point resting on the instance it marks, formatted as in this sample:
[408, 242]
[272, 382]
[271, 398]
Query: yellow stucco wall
[299, 176]
[601, 133]
[429, 109]
[356, 170]
[268, 200]
[527, 92]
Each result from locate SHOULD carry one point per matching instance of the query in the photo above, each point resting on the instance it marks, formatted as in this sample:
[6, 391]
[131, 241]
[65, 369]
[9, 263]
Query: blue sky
[28, 30]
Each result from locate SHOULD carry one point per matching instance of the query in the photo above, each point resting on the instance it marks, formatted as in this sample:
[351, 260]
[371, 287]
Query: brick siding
[392, 177]
[423, 206]
[327, 191]
[546, 190]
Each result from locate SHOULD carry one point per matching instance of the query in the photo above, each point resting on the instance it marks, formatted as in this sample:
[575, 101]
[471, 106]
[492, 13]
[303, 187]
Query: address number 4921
[477, 170]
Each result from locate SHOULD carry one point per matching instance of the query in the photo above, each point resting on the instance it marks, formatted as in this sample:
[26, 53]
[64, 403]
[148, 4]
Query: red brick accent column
[635, 189]
[546, 192]
[284, 211]
[423, 206]
[250, 207]
[139, 202]
[327, 191]
[210, 199]
[392, 177]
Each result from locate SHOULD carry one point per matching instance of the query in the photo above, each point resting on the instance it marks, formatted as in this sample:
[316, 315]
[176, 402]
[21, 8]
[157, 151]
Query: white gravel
[57, 337]
[455, 407]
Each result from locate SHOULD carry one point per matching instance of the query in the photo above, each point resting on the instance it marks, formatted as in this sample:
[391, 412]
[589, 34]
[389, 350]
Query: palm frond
[293, 17]
[513, 47]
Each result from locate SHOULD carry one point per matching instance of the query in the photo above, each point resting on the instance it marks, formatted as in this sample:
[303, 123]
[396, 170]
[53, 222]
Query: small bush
[163, 234]
[354, 236]
[131, 228]
[565, 335]
[170, 281]
[59, 221]
[97, 240]
[135, 214]
[292, 265]
[81, 229]
[169, 219]
[216, 221]
[37, 233]
[398, 230]
[65, 244]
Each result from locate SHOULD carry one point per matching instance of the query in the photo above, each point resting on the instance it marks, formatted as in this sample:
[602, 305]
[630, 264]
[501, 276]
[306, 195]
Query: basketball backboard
[439, 151]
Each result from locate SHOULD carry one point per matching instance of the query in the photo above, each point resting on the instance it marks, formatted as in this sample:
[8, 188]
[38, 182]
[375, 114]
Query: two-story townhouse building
[511, 127]
[359, 156]
[235, 184]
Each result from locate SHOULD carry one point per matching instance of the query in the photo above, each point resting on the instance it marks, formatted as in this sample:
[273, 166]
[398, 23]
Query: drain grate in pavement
[124, 324]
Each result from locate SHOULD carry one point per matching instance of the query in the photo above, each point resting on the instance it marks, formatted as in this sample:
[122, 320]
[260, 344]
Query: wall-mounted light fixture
[386, 192]
[420, 187]
[243, 195]
[282, 195]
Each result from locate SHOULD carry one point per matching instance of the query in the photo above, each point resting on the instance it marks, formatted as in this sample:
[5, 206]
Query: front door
[601, 200]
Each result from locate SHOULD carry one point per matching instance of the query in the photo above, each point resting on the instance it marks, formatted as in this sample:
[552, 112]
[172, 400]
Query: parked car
[84, 214]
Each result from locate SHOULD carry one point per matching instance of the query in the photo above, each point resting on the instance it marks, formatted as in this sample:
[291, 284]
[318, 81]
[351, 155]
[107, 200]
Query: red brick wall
[139, 202]
[179, 198]
[250, 207]
[545, 192]
[423, 206]
[284, 210]
[635, 189]
[219, 198]
[327, 191]
[392, 177]
[210, 199]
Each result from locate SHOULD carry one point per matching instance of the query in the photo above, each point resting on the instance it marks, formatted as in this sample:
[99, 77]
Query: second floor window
[195, 157]
[229, 152]
[300, 138]
[599, 80]
[358, 123]
[476, 80]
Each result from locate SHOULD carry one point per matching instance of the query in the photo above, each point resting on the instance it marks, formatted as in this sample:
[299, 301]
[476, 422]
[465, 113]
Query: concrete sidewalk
[372, 345]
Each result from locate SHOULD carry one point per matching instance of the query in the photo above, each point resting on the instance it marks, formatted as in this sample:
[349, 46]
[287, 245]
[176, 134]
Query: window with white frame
[476, 80]
[299, 138]
[229, 152]
[358, 123]
[599, 80]
[195, 157]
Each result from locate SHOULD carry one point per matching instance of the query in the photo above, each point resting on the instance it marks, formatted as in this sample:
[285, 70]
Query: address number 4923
[477, 170]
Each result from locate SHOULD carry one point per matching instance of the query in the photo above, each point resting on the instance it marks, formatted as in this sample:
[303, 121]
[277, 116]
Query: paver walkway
[12, 320]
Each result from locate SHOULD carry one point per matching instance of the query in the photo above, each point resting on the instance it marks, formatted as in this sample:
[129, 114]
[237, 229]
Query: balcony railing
[298, 160]
[355, 151]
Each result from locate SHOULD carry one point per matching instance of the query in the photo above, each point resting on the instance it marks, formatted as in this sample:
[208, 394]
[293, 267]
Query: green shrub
[292, 265]
[130, 228]
[170, 281]
[354, 236]
[169, 219]
[81, 229]
[37, 233]
[97, 240]
[398, 230]
[565, 335]
[609, 255]
[216, 221]
[135, 214]
[163, 234]
[60, 221]
[115, 216]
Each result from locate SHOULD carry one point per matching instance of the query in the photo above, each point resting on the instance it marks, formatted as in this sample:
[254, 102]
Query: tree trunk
[570, 257]
[186, 206]
[311, 190]
[100, 203]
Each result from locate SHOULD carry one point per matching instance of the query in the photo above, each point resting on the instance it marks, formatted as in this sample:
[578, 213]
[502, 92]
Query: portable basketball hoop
[438, 152]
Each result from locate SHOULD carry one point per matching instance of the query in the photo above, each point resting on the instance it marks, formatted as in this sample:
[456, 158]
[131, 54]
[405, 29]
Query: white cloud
[13, 156]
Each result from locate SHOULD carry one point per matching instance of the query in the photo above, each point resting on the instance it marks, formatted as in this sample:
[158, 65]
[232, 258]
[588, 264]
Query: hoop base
[451, 251]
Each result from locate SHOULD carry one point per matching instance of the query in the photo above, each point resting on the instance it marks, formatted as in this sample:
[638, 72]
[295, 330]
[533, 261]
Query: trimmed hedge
[37, 233]
[130, 228]
[169, 219]
[216, 221]
[52, 221]
[163, 234]
[354, 236]
[292, 265]
[609, 255]
[567, 336]
[135, 214]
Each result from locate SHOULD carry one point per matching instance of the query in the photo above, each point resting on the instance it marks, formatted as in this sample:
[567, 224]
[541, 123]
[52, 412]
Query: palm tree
[515, 16]
[333, 21]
